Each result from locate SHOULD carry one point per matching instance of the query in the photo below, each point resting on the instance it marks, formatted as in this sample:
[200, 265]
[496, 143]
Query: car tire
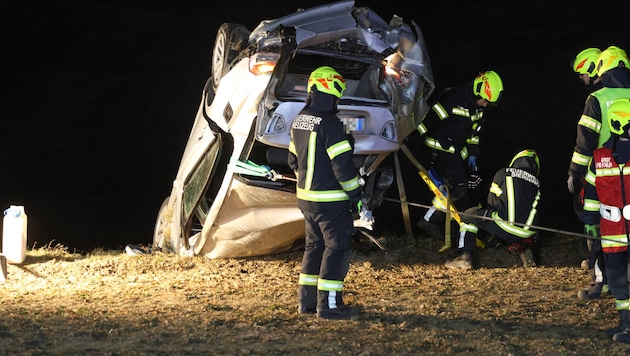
[162, 230]
[230, 41]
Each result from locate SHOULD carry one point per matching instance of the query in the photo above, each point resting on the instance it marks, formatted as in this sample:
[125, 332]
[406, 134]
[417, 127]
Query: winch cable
[533, 227]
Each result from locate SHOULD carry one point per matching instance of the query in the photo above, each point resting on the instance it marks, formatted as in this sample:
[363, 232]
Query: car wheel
[231, 39]
[162, 230]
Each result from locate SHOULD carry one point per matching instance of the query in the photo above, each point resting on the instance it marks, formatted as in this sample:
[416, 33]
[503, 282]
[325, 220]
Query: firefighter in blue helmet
[509, 214]
[329, 195]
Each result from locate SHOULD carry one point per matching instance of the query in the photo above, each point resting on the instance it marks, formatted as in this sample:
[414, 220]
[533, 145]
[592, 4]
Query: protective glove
[355, 206]
[591, 230]
[570, 184]
[472, 163]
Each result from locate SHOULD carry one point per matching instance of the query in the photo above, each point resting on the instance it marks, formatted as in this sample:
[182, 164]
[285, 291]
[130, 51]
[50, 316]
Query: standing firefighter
[509, 214]
[607, 203]
[612, 66]
[328, 193]
[451, 135]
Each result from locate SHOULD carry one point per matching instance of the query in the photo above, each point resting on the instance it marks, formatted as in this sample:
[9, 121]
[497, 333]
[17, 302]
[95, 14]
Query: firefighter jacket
[514, 196]
[455, 122]
[320, 153]
[607, 195]
[592, 131]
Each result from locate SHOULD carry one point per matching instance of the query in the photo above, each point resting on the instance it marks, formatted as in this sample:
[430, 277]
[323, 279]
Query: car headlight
[263, 62]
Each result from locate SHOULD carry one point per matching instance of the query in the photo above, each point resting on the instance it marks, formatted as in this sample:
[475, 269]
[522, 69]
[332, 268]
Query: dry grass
[110, 303]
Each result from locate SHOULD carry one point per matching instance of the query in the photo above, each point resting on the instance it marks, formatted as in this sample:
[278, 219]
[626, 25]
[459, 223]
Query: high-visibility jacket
[454, 123]
[320, 153]
[592, 131]
[514, 196]
[607, 197]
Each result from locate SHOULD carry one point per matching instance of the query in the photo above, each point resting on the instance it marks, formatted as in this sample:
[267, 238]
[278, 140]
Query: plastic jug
[14, 234]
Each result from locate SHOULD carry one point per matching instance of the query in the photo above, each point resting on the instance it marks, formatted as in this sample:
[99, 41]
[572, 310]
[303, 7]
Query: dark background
[99, 97]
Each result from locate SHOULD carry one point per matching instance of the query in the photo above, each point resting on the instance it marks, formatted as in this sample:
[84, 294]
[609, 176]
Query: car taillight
[389, 131]
[263, 62]
[276, 124]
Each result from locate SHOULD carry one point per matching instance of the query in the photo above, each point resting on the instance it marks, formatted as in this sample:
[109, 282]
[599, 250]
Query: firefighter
[451, 136]
[612, 67]
[584, 64]
[606, 203]
[328, 193]
[510, 211]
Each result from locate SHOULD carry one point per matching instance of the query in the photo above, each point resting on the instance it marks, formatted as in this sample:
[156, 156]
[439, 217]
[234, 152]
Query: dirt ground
[112, 303]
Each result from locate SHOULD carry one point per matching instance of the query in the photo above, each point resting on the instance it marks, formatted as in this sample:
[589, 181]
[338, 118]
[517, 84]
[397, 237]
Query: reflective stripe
[580, 159]
[511, 209]
[461, 111]
[467, 227]
[590, 123]
[433, 143]
[310, 160]
[350, 185]
[292, 147]
[591, 205]
[329, 285]
[338, 148]
[495, 189]
[474, 140]
[622, 304]
[308, 279]
[512, 229]
[440, 111]
[322, 196]
[421, 129]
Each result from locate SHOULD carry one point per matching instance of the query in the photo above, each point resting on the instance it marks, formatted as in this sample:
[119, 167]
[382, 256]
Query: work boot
[343, 313]
[624, 336]
[330, 305]
[527, 257]
[623, 316]
[463, 261]
[594, 291]
[307, 299]
[430, 230]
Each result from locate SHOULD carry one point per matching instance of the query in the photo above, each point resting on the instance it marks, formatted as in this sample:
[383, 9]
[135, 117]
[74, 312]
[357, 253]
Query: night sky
[100, 97]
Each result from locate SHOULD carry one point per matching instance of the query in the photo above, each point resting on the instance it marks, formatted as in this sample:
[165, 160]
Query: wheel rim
[218, 56]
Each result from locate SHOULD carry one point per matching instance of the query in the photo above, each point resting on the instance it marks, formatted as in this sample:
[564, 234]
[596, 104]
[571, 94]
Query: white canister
[14, 234]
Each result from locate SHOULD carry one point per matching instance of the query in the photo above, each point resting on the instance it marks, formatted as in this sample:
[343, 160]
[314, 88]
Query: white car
[234, 194]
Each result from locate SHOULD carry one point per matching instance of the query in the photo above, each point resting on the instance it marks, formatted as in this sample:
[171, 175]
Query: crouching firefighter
[509, 214]
[329, 196]
[607, 203]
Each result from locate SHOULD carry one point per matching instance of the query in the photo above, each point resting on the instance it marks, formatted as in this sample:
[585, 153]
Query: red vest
[613, 195]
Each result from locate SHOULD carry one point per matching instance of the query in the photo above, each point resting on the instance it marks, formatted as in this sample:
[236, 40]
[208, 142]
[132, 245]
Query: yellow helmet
[584, 62]
[612, 57]
[327, 80]
[618, 116]
[528, 153]
[488, 85]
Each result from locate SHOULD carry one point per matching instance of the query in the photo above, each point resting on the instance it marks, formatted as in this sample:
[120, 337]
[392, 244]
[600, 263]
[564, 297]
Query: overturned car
[234, 194]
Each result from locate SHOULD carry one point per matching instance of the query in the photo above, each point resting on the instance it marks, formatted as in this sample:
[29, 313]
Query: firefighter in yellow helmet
[328, 193]
[450, 144]
[607, 210]
[613, 67]
[584, 64]
[509, 214]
